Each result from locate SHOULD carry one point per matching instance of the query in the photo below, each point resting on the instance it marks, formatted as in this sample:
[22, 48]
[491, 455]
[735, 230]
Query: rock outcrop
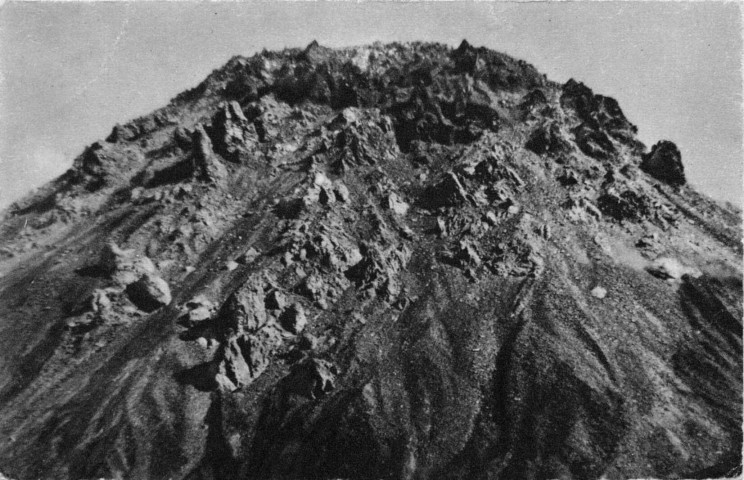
[548, 139]
[205, 165]
[664, 162]
[231, 131]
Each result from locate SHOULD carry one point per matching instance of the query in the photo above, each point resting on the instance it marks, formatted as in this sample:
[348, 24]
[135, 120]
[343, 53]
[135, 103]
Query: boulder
[326, 196]
[465, 58]
[248, 257]
[182, 138]
[308, 341]
[568, 178]
[124, 266]
[599, 112]
[243, 311]
[100, 302]
[668, 268]
[320, 179]
[149, 293]
[447, 193]
[664, 162]
[199, 309]
[244, 357]
[593, 142]
[233, 371]
[377, 271]
[322, 191]
[394, 203]
[102, 164]
[599, 292]
[123, 133]
[533, 99]
[442, 227]
[112, 256]
[205, 164]
[293, 319]
[335, 251]
[348, 116]
[84, 321]
[199, 314]
[490, 218]
[590, 208]
[312, 378]
[230, 131]
[315, 288]
[648, 241]
[627, 205]
[512, 175]
[231, 265]
[545, 231]
[276, 300]
[578, 97]
[341, 192]
[547, 139]
[467, 254]
[259, 347]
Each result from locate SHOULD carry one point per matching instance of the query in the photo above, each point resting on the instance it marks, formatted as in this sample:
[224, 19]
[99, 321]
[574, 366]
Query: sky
[70, 71]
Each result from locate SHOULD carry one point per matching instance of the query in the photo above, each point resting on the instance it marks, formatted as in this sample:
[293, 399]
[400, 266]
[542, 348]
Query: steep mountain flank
[394, 261]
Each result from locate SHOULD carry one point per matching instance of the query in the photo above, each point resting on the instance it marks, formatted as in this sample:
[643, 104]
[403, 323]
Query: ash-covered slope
[395, 261]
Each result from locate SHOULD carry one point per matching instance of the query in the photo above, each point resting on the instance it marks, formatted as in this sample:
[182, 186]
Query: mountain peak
[383, 261]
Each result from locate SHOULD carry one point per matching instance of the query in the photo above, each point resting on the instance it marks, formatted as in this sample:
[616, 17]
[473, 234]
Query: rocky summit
[400, 261]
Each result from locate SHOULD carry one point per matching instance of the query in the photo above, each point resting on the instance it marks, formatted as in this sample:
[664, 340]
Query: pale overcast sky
[70, 71]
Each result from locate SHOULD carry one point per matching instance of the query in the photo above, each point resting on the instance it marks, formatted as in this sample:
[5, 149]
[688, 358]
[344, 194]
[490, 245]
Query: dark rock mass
[664, 162]
[394, 261]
